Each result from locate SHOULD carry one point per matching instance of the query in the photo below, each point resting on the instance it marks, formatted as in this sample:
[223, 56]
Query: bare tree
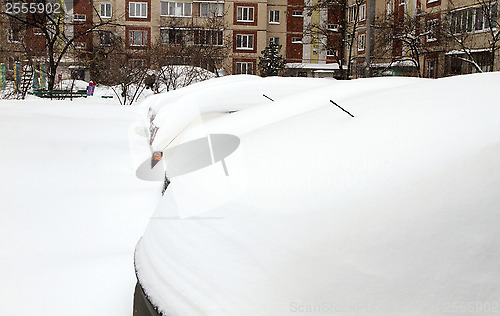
[338, 41]
[474, 31]
[54, 40]
[189, 51]
[402, 37]
[124, 71]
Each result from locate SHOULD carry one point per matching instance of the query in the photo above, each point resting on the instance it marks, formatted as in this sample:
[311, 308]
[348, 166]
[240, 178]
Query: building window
[474, 19]
[297, 13]
[430, 68]
[274, 17]
[274, 40]
[172, 36]
[211, 10]
[244, 41]
[351, 14]
[432, 26]
[245, 68]
[80, 45]
[79, 17]
[362, 12]
[462, 21]
[138, 38]
[361, 42]
[138, 10]
[331, 52]
[333, 27]
[170, 8]
[105, 38]
[208, 37]
[296, 40]
[13, 36]
[105, 10]
[244, 14]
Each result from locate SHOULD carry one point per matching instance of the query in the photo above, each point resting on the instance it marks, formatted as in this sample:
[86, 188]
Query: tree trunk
[51, 79]
[493, 48]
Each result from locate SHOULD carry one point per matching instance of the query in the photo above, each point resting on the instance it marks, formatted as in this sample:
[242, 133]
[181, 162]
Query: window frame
[333, 27]
[274, 16]
[431, 37]
[219, 9]
[132, 37]
[104, 5]
[463, 23]
[331, 52]
[272, 39]
[185, 5]
[178, 37]
[247, 41]
[141, 5]
[362, 13]
[296, 40]
[214, 37]
[431, 68]
[296, 13]
[240, 64]
[351, 14]
[240, 16]
[79, 18]
[362, 47]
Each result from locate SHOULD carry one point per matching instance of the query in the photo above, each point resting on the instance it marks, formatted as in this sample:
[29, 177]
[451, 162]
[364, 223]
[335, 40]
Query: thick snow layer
[393, 212]
[290, 96]
[71, 208]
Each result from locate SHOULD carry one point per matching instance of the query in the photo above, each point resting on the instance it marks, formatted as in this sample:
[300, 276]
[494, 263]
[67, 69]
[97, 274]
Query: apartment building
[247, 25]
[11, 47]
[451, 37]
[468, 38]
[457, 36]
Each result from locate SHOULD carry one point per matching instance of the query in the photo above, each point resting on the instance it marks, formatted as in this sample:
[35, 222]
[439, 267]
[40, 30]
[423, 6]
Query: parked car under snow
[393, 211]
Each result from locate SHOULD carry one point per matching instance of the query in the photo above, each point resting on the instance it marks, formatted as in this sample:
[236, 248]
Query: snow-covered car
[340, 197]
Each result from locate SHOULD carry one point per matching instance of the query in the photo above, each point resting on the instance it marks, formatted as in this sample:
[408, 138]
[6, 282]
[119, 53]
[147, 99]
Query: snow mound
[393, 212]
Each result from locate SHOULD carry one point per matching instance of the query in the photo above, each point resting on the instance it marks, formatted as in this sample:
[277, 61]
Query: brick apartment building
[455, 37]
[251, 24]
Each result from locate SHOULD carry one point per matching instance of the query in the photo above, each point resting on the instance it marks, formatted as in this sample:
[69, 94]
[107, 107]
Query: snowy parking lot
[71, 208]
[393, 210]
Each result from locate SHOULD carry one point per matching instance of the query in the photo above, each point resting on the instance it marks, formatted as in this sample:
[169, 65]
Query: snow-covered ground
[393, 212]
[71, 208]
